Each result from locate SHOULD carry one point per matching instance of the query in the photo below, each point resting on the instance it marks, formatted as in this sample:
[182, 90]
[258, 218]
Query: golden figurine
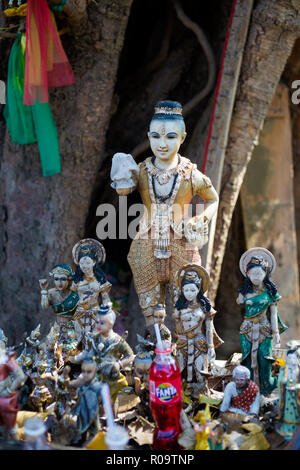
[90, 282]
[196, 335]
[168, 236]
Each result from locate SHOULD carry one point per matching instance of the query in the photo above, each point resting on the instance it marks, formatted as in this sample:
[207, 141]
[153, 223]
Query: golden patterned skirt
[149, 271]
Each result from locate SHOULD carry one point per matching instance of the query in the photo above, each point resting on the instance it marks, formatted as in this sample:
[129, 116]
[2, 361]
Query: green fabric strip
[28, 124]
[47, 138]
[18, 117]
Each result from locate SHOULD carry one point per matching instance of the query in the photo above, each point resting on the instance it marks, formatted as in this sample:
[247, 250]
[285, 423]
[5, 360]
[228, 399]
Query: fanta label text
[166, 391]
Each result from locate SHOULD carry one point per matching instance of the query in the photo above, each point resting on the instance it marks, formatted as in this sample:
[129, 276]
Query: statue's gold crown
[192, 276]
[259, 261]
[85, 250]
[167, 110]
[59, 270]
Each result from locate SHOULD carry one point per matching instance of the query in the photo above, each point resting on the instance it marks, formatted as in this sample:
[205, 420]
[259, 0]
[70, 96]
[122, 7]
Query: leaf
[210, 401]
[141, 432]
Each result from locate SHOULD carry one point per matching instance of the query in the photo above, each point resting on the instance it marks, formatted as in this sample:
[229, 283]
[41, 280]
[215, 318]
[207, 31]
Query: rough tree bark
[274, 28]
[222, 112]
[43, 217]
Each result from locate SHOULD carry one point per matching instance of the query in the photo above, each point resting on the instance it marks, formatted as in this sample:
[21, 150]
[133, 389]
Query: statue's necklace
[167, 196]
[163, 176]
[163, 198]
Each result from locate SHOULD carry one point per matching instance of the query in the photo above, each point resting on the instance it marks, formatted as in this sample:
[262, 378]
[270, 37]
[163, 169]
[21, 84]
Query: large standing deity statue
[169, 237]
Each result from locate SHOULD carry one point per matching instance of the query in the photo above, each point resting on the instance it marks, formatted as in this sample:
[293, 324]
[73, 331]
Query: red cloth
[8, 405]
[46, 64]
[244, 400]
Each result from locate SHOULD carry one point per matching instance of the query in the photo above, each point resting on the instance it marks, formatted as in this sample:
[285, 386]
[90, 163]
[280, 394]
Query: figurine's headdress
[159, 307]
[62, 269]
[293, 347]
[89, 247]
[193, 273]
[168, 110]
[3, 337]
[106, 310]
[257, 256]
[293, 344]
[168, 107]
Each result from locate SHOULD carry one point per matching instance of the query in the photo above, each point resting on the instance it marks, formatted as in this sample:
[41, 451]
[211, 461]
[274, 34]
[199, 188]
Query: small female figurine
[64, 302]
[289, 390]
[261, 322]
[89, 282]
[196, 336]
[60, 297]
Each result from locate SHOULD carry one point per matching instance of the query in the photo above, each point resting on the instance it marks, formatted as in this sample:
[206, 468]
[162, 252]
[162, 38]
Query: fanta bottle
[165, 399]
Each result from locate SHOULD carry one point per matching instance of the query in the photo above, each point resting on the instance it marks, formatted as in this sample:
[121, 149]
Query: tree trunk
[222, 112]
[273, 31]
[44, 216]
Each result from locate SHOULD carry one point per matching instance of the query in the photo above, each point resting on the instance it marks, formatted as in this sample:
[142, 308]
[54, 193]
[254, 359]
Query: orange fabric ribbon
[46, 64]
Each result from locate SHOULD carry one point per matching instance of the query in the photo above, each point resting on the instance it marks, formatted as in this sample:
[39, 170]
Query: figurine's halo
[259, 252]
[202, 273]
[89, 242]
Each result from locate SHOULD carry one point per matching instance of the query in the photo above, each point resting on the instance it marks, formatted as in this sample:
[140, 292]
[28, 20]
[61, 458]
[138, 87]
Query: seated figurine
[11, 378]
[110, 351]
[242, 394]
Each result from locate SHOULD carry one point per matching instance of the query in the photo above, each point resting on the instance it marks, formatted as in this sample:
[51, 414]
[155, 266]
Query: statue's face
[256, 275]
[86, 264]
[165, 138]
[190, 291]
[292, 360]
[60, 281]
[88, 371]
[103, 324]
[141, 369]
[160, 315]
[241, 380]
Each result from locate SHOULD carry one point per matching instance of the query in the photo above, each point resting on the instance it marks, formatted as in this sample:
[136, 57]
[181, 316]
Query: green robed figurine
[262, 326]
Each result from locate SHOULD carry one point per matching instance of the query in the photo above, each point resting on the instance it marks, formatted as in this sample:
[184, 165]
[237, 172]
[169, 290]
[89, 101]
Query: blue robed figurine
[289, 392]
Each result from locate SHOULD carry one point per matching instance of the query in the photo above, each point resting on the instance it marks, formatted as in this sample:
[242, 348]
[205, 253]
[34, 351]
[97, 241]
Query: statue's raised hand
[124, 173]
